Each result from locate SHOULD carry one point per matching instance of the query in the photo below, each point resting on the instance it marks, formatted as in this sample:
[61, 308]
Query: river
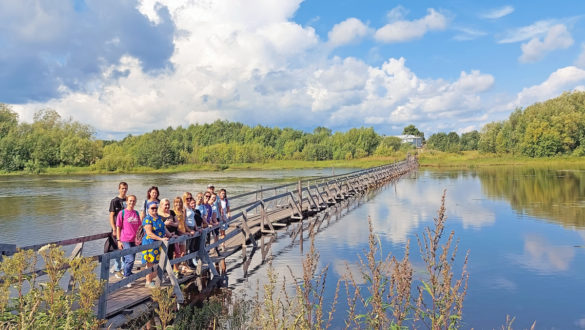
[524, 229]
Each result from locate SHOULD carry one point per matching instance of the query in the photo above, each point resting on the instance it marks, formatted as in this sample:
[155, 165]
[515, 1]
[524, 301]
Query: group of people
[162, 221]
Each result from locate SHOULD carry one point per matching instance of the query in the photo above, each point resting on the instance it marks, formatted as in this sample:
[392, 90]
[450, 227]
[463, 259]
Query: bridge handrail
[330, 183]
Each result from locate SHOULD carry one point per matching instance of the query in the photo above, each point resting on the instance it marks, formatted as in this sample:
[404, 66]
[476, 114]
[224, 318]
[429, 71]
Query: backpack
[139, 236]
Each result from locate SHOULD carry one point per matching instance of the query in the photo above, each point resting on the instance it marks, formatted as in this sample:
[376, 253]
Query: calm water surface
[524, 230]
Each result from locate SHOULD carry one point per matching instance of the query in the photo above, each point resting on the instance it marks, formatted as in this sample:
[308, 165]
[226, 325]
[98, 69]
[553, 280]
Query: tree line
[554, 127]
[551, 128]
[53, 141]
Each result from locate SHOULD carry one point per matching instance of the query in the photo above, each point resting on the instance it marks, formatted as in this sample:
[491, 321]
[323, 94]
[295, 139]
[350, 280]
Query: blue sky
[134, 66]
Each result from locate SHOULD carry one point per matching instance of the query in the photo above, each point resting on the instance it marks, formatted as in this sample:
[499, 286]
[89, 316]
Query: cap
[210, 186]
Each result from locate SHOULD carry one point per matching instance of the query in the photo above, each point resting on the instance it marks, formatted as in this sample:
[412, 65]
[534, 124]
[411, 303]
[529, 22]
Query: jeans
[128, 259]
[118, 264]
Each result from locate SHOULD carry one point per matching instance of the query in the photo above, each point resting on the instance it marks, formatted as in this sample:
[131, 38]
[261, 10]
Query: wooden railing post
[165, 264]
[300, 190]
[105, 278]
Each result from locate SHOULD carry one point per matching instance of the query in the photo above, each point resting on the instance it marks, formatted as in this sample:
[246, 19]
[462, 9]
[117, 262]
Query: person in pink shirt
[127, 224]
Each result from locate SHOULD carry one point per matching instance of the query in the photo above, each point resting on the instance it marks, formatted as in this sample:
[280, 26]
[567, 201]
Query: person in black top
[117, 204]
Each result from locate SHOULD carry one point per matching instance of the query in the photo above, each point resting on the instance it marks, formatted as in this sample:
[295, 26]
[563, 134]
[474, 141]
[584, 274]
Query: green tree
[469, 140]
[8, 119]
[412, 130]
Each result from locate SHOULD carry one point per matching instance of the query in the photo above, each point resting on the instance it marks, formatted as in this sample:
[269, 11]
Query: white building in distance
[412, 139]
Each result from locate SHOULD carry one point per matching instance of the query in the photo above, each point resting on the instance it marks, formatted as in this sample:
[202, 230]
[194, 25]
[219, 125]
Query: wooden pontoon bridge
[254, 214]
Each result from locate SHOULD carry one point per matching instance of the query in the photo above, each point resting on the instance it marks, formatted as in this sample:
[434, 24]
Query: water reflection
[555, 195]
[543, 256]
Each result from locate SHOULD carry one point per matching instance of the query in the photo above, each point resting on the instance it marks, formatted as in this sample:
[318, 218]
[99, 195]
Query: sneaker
[129, 285]
[119, 275]
[150, 285]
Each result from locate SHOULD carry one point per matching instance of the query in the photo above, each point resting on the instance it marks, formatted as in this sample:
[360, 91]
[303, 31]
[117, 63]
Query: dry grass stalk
[444, 305]
[305, 311]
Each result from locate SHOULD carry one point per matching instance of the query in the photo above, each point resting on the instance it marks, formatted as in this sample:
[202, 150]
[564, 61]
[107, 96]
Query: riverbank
[427, 158]
[472, 159]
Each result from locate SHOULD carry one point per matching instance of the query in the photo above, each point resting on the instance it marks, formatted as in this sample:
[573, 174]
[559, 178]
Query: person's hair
[131, 196]
[122, 184]
[178, 199]
[185, 194]
[151, 189]
[160, 208]
[199, 195]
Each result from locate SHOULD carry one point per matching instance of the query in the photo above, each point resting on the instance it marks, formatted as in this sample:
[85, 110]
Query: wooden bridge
[254, 214]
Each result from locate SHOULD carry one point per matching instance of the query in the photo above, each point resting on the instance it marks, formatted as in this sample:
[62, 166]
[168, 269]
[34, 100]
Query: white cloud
[348, 31]
[259, 67]
[466, 34]
[527, 32]
[401, 30]
[559, 81]
[557, 37]
[498, 12]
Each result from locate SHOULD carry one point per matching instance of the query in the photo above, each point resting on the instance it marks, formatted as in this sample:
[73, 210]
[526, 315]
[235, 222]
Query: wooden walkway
[254, 214]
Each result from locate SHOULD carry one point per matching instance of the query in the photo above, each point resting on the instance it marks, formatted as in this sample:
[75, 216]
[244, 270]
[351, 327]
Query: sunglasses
[154, 208]
[188, 198]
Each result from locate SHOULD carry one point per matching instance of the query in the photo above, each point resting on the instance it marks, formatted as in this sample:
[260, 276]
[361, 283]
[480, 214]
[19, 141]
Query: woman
[179, 211]
[200, 206]
[151, 196]
[155, 230]
[213, 206]
[189, 211]
[192, 225]
[225, 206]
[172, 225]
[127, 224]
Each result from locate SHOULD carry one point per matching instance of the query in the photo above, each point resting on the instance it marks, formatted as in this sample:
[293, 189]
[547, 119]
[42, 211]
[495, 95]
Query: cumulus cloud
[498, 12]
[557, 37]
[238, 62]
[48, 46]
[402, 30]
[348, 31]
[558, 82]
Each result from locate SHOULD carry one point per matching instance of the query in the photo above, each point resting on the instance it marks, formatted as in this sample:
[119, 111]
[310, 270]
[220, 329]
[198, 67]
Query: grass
[271, 165]
[427, 158]
[471, 159]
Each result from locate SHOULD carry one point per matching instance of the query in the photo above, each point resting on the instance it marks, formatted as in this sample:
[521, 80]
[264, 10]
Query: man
[117, 204]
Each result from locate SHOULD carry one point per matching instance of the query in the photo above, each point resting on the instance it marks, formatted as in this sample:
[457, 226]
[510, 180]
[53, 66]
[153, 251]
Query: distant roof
[408, 137]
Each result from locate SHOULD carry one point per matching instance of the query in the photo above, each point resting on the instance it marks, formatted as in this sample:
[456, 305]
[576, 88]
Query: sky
[129, 67]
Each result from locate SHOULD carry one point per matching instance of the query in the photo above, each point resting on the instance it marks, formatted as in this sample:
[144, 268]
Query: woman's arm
[150, 233]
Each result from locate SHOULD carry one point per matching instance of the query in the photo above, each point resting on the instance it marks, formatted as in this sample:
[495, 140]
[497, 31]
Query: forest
[551, 128]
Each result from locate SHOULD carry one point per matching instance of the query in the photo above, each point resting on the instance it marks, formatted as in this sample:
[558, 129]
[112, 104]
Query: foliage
[552, 128]
[412, 130]
[48, 141]
[220, 311]
[45, 305]
[165, 301]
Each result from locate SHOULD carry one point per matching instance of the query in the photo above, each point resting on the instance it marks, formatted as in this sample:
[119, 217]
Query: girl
[151, 196]
[127, 224]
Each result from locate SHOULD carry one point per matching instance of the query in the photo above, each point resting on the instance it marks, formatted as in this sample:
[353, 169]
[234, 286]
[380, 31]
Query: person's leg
[128, 259]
